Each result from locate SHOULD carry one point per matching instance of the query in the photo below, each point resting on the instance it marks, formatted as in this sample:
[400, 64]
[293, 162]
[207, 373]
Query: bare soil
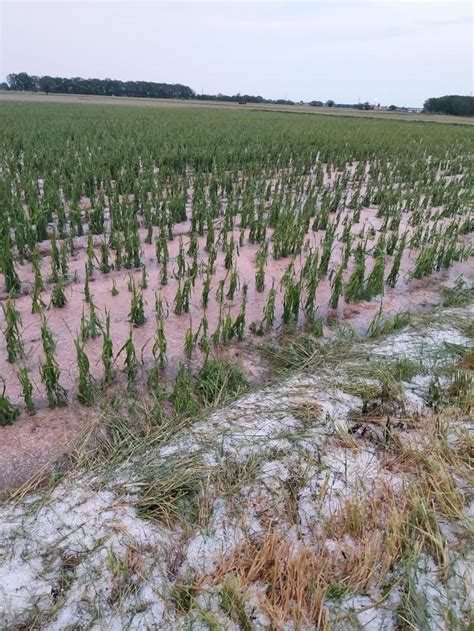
[32, 442]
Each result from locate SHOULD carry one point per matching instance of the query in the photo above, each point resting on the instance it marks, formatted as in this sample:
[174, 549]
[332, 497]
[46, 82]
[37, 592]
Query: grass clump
[461, 294]
[218, 380]
[183, 397]
[232, 602]
[169, 491]
[379, 326]
[404, 369]
[183, 596]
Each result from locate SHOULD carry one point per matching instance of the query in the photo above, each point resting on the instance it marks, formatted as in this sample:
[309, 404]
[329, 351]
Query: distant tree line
[242, 98]
[103, 87]
[331, 103]
[453, 104]
[24, 82]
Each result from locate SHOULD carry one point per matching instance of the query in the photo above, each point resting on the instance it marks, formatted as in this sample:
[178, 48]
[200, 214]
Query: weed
[218, 380]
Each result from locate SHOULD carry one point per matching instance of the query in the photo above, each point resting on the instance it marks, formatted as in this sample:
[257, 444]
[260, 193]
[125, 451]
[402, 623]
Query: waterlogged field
[224, 359]
[137, 245]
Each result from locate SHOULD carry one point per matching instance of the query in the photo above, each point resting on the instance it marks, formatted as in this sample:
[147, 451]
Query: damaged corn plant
[265, 340]
[318, 225]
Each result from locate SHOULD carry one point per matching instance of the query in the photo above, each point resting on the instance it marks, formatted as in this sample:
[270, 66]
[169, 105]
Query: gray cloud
[395, 51]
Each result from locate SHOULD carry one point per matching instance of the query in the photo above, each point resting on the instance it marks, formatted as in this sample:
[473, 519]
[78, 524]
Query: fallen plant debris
[274, 511]
[228, 398]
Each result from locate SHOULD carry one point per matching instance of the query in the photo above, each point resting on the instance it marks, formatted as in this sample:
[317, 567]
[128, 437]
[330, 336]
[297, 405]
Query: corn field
[143, 240]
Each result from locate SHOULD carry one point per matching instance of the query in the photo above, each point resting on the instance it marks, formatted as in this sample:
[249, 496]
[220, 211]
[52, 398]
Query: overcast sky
[398, 52]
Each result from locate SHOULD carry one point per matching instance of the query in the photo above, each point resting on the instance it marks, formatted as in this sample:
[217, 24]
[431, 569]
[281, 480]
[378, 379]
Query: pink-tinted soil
[65, 322]
[31, 442]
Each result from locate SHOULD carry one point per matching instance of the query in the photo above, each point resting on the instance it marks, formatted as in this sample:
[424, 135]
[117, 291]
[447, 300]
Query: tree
[330, 103]
[109, 87]
[22, 82]
[46, 84]
[316, 103]
[454, 104]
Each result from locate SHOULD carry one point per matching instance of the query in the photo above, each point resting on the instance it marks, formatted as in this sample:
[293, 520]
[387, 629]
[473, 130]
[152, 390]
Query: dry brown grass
[294, 576]
[342, 438]
[297, 578]
[467, 361]
[434, 461]
[308, 412]
[369, 536]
